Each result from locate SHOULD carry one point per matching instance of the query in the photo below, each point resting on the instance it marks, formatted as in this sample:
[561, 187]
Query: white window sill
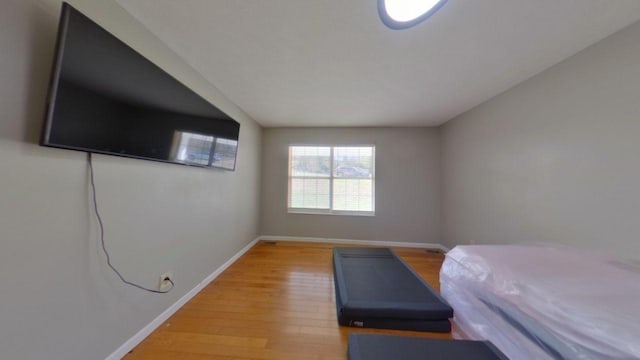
[330, 212]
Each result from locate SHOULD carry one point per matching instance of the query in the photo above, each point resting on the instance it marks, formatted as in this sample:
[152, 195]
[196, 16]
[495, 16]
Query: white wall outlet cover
[164, 283]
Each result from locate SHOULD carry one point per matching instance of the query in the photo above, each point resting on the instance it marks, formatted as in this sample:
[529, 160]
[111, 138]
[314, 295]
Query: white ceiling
[333, 63]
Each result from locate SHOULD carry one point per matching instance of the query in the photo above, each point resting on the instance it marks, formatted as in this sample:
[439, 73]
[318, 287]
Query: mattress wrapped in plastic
[543, 302]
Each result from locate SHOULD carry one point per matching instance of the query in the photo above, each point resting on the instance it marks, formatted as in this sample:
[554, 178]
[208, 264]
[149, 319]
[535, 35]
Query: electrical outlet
[165, 284]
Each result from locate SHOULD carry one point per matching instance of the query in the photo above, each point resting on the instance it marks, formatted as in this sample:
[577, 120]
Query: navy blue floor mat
[386, 347]
[375, 288]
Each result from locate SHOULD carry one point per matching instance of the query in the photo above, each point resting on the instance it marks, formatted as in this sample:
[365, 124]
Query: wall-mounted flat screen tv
[107, 98]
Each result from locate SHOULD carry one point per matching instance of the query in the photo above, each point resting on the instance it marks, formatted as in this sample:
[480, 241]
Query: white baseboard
[144, 332]
[355, 242]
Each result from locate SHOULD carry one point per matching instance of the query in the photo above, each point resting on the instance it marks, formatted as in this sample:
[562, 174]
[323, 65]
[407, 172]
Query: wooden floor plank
[275, 302]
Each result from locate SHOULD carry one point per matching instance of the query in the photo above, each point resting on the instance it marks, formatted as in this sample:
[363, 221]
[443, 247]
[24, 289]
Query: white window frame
[330, 210]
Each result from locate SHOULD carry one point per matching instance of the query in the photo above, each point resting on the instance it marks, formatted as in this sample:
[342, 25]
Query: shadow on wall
[27, 70]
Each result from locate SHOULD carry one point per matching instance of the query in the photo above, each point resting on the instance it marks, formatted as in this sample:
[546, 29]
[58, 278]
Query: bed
[544, 302]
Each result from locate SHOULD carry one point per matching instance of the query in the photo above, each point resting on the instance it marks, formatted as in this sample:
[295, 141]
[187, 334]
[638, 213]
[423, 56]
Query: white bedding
[541, 302]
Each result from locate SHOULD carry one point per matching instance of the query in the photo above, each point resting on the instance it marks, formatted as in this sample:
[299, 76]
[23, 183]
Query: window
[331, 179]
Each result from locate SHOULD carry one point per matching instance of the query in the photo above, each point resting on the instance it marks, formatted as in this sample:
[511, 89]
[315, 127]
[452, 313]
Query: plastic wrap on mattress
[542, 302]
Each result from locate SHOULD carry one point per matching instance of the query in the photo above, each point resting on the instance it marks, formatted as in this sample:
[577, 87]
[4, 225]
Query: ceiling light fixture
[403, 14]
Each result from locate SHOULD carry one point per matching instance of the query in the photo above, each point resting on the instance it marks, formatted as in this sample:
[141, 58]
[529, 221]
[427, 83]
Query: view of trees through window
[339, 178]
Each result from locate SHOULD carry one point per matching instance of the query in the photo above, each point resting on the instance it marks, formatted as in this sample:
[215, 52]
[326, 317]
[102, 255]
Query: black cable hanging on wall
[102, 242]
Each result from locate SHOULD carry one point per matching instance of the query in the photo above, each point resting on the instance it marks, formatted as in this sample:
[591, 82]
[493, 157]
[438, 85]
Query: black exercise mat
[375, 288]
[386, 347]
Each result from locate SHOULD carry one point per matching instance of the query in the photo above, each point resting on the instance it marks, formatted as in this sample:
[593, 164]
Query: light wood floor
[275, 302]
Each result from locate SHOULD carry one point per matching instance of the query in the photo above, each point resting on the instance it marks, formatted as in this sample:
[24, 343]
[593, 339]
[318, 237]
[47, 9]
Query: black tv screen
[107, 98]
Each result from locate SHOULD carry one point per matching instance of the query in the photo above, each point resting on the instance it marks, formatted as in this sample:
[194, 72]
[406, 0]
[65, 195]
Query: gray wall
[555, 159]
[407, 184]
[59, 300]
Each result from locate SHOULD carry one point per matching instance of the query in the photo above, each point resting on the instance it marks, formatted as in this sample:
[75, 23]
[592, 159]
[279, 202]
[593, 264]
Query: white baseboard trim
[145, 331]
[355, 242]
